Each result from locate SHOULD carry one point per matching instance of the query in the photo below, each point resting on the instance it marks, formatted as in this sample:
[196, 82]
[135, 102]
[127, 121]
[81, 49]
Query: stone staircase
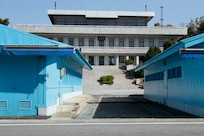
[122, 81]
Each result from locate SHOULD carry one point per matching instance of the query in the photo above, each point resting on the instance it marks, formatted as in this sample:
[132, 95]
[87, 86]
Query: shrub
[129, 62]
[107, 79]
[110, 77]
[103, 78]
[110, 82]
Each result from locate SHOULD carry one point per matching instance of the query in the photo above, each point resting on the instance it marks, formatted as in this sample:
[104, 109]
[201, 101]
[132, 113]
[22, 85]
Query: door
[18, 86]
[165, 90]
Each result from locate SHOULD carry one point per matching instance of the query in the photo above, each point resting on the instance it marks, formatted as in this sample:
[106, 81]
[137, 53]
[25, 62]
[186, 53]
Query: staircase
[72, 107]
[122, 81]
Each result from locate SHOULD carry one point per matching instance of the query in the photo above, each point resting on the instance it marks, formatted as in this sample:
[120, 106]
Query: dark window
[111, 60]
[60, 39]
[91, 60]
[155, 76]
[71, 41]
[101, 60]
[131, 43]
[91, 41]
[121, 42]
[81, 41]
[141, 43]
[175, 72]
[111, 42]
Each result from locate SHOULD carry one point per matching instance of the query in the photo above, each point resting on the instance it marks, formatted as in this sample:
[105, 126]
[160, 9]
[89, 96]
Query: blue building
[36, 73]
[176, 76]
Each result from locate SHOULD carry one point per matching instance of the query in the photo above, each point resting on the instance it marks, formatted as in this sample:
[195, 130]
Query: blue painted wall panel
[19, 83]
[58, 85]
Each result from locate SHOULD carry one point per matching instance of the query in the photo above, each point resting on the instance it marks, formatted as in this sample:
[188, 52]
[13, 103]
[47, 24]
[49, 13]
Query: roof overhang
[38, 51]
[191, 53]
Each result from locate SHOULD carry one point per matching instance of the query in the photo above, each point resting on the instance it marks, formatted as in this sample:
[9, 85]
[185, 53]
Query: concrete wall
[184, 93]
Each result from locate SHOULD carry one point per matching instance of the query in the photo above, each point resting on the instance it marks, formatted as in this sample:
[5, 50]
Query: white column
[137, 60]
[126, 57]
[117, 60]
[96, 60]
[106, 60]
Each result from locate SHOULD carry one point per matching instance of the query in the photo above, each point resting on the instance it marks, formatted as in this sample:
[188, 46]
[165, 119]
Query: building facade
[37, 74]
[175, 77]
[106, 37]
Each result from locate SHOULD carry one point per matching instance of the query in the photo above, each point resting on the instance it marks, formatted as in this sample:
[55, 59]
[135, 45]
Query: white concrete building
[106, 37]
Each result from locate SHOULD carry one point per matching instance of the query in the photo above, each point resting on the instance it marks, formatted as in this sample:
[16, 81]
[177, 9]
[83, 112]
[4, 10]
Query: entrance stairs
[122, 79]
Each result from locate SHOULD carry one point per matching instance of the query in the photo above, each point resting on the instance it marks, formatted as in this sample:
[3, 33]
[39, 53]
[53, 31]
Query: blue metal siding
[57, 85]
[19, 81]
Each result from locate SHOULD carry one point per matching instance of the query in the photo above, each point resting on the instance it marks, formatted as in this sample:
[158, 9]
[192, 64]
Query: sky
[175, 12]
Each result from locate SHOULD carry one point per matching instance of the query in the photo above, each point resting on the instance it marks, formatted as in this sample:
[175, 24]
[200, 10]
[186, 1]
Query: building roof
[15, 42]
[178, 47]
[100, 14]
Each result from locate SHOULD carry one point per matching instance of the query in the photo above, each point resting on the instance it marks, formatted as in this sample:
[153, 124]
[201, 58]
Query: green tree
[168, 43]
[4, 21]
[153, 51]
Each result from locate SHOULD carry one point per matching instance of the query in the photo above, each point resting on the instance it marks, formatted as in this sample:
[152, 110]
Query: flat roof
[101, 14]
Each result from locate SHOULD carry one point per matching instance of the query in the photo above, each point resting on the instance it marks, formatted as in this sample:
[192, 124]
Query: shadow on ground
[135, 107]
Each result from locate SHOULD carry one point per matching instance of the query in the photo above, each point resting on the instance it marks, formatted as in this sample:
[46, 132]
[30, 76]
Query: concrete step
[72, 107]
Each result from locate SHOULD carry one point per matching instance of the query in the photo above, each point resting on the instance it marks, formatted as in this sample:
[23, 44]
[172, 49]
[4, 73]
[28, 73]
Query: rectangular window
[91, 41]
[101, 60]
[131, 43]
[91, 60]
[121, 59]
[151, 42]
[161, 43]
[60, 39]
[81, 41]
[101, 40]
[121, 42]
[111, 60]
[101, 43]
[155, 76]
[175, 72]
[141, 43]
[111, 42]
[3, 105]
[71, 41]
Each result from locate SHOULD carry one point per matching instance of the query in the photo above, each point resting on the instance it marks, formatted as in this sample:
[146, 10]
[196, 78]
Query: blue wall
[183, 92]
[19, 84]
[57, 85]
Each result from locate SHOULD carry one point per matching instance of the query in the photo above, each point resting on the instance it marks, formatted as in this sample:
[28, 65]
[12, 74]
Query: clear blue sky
[175, 12]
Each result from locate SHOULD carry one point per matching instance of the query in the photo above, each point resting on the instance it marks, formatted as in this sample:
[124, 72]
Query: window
[60, 39]
[111, 42]
[71, 41]
[141, 43]
[101, 60]
[161, 43]
[121, 42]
[121, 59]
[155, 76]
[91, 41]
[175, 72]
[91, 60]
[111, 60]
[131, 43]
[81, 41]
[151, 42]
[3, 105]
[101, 40]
